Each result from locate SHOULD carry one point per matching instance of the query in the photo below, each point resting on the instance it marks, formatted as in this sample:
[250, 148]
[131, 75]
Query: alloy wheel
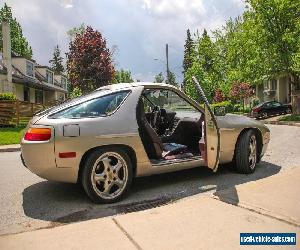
[252, 152]
[109, 175]
[264, 115]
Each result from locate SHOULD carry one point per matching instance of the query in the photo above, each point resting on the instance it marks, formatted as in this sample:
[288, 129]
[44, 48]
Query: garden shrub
[7, 96]
[227, 104]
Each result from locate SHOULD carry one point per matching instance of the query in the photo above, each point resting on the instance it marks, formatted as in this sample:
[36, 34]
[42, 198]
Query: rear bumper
[39, 158]
[254, 114]
[23, 162]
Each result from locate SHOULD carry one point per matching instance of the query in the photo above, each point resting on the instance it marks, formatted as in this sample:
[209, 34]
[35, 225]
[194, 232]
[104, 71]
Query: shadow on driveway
[65, 203]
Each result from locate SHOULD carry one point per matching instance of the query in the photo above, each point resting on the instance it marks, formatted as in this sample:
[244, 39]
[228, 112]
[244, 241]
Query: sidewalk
[275, 121]
[197, 222]
[10, 148]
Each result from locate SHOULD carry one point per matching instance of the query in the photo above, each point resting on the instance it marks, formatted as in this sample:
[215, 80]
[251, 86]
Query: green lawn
[11, 135]
[290, 118]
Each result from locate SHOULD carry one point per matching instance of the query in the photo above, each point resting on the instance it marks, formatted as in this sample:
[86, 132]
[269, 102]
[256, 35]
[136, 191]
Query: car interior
[170, 128]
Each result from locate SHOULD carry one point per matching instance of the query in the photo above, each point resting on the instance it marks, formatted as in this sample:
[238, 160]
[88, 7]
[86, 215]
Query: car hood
[236, 121]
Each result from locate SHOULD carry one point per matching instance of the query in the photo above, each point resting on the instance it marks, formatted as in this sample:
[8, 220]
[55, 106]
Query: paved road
[28, 202]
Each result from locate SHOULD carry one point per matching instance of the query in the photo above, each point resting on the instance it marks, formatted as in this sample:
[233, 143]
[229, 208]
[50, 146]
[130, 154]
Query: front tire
[107, 175]
[246, 153]
[288, 111]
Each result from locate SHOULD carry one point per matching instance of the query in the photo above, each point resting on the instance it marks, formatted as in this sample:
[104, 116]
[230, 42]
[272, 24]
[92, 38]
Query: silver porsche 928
[106, 138]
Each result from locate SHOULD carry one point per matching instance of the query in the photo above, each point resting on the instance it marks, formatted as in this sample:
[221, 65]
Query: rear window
[101, 106]
[68, 103]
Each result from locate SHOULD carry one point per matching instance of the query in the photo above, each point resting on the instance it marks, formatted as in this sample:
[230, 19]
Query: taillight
[256, 110]
[38, 134]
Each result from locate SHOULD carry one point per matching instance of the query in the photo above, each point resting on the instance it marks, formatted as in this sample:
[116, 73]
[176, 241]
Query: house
[279, 89]
[28, 80]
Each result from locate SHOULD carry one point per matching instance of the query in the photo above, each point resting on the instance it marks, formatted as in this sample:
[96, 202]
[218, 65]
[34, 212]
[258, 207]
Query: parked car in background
[105, 139]
[270, 108]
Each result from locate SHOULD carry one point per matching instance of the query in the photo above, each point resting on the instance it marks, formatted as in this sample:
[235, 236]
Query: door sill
[159, 163]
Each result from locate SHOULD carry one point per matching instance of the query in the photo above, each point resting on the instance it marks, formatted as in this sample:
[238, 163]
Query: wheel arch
[128, 149]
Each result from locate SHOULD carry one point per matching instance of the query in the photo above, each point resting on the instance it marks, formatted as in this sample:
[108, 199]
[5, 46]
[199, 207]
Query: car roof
[120, 86]
[265, 103]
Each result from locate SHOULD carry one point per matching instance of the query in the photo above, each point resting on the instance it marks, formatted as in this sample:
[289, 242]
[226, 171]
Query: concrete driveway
[28, 202]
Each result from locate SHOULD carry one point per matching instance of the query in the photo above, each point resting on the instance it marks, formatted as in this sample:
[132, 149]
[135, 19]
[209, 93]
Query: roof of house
[45, 67]
[38, 81]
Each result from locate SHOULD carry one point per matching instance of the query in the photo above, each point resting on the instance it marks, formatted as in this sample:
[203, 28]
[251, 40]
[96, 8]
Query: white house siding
[2, 79]
[282, 89]
[19, 92]
[60, 96]
[32, 95]
[281, 94]
[49, 96]
[259, 92]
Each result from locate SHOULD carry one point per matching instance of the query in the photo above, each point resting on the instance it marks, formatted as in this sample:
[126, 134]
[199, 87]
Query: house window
[297, 86]
[64, 82]
[274, 84]
[29, 69]
[26, 94]
[49, 76]
[266, 84]
[39, 96]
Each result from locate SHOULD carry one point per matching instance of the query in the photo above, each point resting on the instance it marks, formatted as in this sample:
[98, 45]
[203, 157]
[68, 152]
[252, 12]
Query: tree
[172, 79]
[263, 43]
[76, 31]
[219, 97]
[280, 26]
[19, 44]
[204, 67]
[122, 76]
[240, 91]
[57, 61]
[189, 51]
[159, 78]
[76, 92]
[89, 61]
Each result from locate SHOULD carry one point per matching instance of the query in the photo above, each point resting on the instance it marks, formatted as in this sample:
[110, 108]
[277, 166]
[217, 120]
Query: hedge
[7, 96]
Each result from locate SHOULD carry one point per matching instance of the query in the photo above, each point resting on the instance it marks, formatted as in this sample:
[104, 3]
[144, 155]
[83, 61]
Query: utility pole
[167, 60]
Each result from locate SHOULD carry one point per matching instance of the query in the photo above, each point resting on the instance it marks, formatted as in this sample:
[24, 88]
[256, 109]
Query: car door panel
[212, 132]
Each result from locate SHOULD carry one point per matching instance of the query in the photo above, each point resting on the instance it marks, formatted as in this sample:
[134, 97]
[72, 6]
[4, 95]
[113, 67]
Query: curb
[295, 124]
[10, 149]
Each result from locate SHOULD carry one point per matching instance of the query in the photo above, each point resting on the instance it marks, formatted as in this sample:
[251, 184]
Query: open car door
[212, 132]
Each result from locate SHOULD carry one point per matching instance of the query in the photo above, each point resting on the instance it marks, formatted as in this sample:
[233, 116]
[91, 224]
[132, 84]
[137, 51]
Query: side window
[102, 106]
[276, 104]
[170, 101]
[268, 105]
[29, 68]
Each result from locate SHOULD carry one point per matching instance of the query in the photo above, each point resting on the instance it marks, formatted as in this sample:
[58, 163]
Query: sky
[139, 28]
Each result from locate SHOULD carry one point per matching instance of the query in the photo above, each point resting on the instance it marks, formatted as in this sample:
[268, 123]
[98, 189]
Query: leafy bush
[254, 102]
[7, 96]
[247, 110]
[76, 92]
[291, 118]
[227, 104]
[237, 107]
[240, 109]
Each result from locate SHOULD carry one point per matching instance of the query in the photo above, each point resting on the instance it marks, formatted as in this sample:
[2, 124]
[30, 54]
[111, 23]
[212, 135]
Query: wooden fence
[18, 112]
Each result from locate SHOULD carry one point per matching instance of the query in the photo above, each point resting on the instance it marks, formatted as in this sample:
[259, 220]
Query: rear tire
[264, 115]
[107, 175]
[245, 158]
